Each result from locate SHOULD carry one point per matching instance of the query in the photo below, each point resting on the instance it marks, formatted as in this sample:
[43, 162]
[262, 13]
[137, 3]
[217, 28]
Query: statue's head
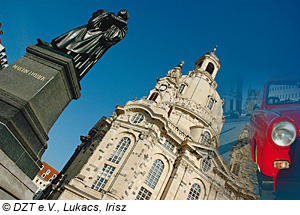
[124, 14]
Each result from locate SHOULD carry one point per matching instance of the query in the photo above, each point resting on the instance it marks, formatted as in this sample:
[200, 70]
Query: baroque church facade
[161, 147]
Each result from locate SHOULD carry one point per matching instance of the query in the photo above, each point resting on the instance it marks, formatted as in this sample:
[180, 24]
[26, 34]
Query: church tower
[164, 146]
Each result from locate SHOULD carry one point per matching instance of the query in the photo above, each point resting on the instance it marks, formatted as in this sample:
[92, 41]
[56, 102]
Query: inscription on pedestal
[29, 72]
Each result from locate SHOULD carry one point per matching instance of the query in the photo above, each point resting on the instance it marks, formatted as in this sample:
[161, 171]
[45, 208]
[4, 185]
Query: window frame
[154, 173]
[170, 146]
[195, 191]
[153, 96]
[137, 118]
[181, 88]
[206, 164]
[210, 103]
[210, 66]
[120, 149]
[143, 192]
[104, 174]
[206, 138]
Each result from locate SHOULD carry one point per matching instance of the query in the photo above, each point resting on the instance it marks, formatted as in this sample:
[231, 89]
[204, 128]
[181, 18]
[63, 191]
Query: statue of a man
[87, 44]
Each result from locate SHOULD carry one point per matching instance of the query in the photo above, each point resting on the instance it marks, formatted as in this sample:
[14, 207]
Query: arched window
[236, 169]
[205, 140]
[153, 96]
[206, 164]
[120, 150]
[154, 174]
[194, 193]
[181, 88]
[210, 68]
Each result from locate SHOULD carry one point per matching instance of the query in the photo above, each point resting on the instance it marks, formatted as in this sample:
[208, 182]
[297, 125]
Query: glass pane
[283, 92]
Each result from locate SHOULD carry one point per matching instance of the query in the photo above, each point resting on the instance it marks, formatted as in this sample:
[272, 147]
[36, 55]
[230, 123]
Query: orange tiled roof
[45, 168]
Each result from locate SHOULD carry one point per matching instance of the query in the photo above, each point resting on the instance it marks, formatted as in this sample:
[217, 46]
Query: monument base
[15, 184]
[33, 93]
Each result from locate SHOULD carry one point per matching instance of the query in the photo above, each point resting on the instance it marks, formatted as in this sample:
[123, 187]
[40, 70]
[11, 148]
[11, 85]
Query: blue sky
[257, 40]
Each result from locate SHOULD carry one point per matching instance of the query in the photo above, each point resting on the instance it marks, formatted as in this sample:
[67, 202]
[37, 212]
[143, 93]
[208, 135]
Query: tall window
[181, 88]
[154, 174]
[153, 96]
[205, 140]
[103, 177]
[120, 150]
[194, 193]
[210, 103]
[143, 194]
[210, 68]
[206, 164]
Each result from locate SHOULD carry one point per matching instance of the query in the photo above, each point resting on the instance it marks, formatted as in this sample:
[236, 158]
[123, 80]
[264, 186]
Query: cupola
[208, 64]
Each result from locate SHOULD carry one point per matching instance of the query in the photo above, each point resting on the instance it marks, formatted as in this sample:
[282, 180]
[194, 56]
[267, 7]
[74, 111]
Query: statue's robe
[87, 44]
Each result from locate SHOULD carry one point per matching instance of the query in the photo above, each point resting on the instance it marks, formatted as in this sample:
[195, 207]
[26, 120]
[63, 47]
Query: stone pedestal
[33, 93]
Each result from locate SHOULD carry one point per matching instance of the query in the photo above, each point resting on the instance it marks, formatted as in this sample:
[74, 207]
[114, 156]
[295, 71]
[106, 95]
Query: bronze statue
[87, 44]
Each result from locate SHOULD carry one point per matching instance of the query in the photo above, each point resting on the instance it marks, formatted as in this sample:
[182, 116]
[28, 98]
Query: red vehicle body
[274, 136]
